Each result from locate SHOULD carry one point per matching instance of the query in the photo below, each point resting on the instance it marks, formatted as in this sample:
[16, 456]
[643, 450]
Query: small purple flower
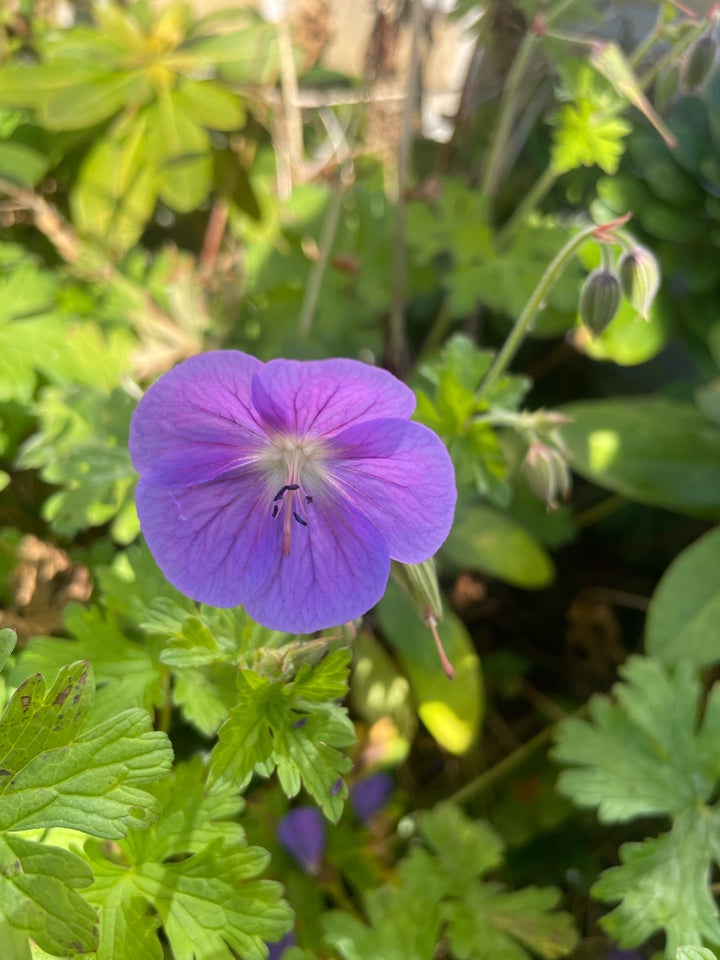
[278, 948]
[370, 795]
[302, 833]
[287, 487]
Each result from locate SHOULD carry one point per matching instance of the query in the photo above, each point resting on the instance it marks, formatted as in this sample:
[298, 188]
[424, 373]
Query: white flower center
[292, 462]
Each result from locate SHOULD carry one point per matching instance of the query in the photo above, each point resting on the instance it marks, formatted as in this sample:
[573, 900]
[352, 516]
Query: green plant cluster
[150, 747]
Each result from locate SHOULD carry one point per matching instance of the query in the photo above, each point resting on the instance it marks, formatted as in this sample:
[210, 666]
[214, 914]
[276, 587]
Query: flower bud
[639, 278]
[547, 473]
[599, 300]
[699, 63]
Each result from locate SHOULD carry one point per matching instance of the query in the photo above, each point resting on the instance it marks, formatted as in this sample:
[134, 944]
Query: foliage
[646, 755]
[59, 772]
[173, 182]
[441, 888]
[673, 196]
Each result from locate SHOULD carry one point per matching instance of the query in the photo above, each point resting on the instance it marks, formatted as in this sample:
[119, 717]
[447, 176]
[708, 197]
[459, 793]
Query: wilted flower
[302, 833]
[287, 487]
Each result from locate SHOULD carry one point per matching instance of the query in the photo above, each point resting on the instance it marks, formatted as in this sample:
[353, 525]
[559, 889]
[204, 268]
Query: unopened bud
[547, 474]
[699, 63]
[599, 300]
[639, 278]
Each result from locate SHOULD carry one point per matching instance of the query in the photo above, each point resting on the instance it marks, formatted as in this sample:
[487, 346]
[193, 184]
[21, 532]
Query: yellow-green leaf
[451, 710]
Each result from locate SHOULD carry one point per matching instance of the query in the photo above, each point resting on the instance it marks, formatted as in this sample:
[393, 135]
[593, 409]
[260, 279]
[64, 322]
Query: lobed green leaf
[289, 726]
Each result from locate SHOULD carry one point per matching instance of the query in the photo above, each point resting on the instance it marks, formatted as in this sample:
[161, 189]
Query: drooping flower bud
[599, 300]
[699, 63]
[547, 474]
[639, 278]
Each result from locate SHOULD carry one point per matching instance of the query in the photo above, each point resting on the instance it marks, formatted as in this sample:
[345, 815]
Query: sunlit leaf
[645, 448]
[451, 710]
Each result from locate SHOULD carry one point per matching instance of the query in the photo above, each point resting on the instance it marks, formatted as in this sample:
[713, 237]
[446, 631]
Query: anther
[308, 499]
[303, 523]
[288, 486]
[275, 511]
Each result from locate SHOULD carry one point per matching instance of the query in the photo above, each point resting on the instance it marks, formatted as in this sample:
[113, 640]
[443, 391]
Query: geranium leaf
[57, 771]
[291, 727]
[193, 875]
[663, 883]
[38, 898]
[644, 754]
[444, 886]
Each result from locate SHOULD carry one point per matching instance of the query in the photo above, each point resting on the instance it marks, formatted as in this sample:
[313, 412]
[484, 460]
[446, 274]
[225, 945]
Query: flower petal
[196, 422]
[210, 541]
[337, 568]
[322, 397]
[399, 474]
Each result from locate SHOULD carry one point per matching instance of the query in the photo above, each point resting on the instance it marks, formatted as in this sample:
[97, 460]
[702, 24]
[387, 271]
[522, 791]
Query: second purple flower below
[287, 487]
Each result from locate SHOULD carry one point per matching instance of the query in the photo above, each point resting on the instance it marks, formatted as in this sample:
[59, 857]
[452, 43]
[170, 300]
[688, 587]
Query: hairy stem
[327, 239]
[523, 322]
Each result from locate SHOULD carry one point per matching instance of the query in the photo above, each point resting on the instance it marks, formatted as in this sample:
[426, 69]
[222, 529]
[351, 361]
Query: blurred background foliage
[390, 184]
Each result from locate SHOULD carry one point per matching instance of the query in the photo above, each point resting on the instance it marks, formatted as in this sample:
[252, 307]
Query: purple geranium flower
[287, 487]
[302, 833]
[369, 796]
[278, 948]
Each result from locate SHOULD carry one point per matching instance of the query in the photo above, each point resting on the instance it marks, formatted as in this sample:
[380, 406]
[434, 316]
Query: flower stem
[508, 109]
[327, 239]
[523, 322]
[671, 56]
[509, 763]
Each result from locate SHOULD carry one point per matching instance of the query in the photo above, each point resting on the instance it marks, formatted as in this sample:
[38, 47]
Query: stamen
[281, 492]
[308, 499]
[303, 523]
[275, 511]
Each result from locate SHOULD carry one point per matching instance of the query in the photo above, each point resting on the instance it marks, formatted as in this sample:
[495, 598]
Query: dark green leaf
[646, 449]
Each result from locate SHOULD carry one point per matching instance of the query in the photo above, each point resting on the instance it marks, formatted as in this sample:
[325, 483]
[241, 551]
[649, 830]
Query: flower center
[289, 458]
